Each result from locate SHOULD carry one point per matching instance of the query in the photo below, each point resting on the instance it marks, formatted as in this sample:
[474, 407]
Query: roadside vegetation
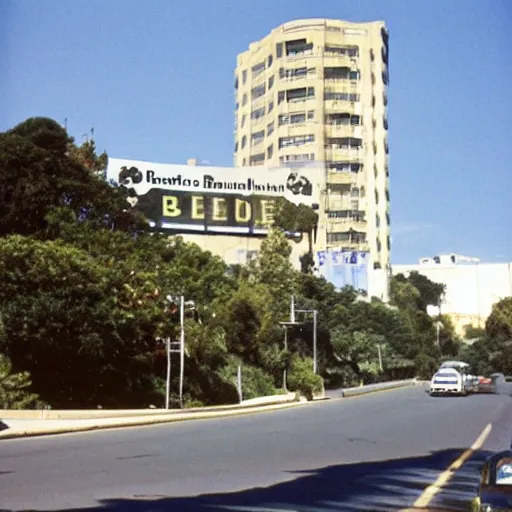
[83, 287]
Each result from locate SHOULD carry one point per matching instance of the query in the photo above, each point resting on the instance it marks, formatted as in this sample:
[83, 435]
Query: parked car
[495, 490]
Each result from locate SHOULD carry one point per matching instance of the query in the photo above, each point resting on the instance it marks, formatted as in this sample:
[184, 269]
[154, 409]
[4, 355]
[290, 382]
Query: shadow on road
[380, 486]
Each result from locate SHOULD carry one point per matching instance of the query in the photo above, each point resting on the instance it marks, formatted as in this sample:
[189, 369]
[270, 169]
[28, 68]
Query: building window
[355, 215]
[270, 151]
[339, 51]
[385, 122]
[242, 122]
[244, 162]
[388, 242]
[270, 60]
[236, 146]
[270, 128]
[384, 54]
[236, 82]
[257, 69]
[297, 158]
[376, 196]
[344, 142]
[341, 96]
[296, 95]
[298, 47]
[388, 220]
[244, 99]
[353, 237]
[258, 91]
[377, 221]
[341, 73]
[354, 167]
[387, 194]
[257, 159]
[296, 73]
[297, 140]
[343, 118]
[385, 77]
[259, 113]
[375, 171]
[385, 98]
[270, 106]
[244, 142]
[379, 245]
[279, 50]
[297, 118]
[271, 82]
[257, 138]
[244, 76]
[373, 101]
[372, 54]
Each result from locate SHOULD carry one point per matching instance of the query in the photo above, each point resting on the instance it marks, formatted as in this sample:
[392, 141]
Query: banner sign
[344, 268]
[213, 199]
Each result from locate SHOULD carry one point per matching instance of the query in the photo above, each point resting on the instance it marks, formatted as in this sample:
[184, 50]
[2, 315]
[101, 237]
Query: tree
[297, 219]
[430, 292]
[499, 331]
[42, 188]
[499, 323]
[86, 155]
[64, 323]
[275, 271]
[14, 392]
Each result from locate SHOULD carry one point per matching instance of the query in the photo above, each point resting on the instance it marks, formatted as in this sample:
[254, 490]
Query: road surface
[373, 453]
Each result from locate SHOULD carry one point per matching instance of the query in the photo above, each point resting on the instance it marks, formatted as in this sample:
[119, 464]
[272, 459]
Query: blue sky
[155, 80]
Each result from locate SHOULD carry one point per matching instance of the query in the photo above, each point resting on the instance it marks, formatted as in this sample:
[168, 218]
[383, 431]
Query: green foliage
[301, 377]
[14, 393]
[83, 287]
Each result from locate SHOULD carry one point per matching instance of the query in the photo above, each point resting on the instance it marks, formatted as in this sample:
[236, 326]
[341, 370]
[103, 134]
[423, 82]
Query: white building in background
[472, 287]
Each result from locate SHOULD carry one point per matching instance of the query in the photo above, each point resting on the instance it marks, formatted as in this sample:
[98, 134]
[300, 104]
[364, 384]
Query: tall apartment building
[315, 90]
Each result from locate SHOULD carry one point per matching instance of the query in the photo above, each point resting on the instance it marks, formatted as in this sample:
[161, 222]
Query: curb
[149, 421]
[372, 388]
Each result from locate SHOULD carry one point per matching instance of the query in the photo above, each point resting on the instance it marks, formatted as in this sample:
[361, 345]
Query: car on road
[487, 384]
[495, 490]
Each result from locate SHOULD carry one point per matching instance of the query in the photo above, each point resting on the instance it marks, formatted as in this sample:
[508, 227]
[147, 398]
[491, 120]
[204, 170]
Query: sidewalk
[12, 428]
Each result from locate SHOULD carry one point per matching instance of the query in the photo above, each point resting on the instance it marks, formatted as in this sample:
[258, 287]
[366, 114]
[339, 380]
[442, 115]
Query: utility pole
[315, 328]
[168, 378]
[182, 347]
[315, 362]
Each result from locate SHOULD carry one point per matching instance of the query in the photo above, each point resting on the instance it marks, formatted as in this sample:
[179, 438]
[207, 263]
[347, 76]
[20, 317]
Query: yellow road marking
[432, 490]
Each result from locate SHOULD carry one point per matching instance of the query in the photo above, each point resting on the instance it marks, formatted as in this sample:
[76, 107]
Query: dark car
[495, 491]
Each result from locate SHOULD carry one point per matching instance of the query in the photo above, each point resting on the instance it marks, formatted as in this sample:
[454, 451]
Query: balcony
[340, 178]
[345, 224]
[346, 105]
[348, 245]
[343, 155]
[343, 130]
[332, 60]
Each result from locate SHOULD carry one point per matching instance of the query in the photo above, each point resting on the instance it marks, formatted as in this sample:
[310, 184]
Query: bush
[256, 382]
[301, 377]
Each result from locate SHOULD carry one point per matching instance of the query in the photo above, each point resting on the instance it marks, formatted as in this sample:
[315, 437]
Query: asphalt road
[373, 453]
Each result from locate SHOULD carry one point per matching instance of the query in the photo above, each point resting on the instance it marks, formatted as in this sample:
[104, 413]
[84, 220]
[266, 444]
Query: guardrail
[371, 388]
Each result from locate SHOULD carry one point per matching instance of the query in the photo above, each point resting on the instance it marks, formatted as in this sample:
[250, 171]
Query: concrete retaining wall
[56, 414]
